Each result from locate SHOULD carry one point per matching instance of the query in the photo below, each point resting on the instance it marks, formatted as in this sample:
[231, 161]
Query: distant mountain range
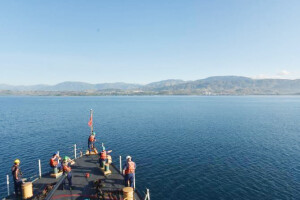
[70, 86]
[217, 85]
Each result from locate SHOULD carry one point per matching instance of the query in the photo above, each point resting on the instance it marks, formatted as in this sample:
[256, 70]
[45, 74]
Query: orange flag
[91, 121]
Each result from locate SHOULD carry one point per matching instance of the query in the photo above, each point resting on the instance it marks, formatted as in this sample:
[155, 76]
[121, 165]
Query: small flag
[91, 121]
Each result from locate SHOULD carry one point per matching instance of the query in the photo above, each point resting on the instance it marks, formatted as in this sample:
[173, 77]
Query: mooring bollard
[40, 169]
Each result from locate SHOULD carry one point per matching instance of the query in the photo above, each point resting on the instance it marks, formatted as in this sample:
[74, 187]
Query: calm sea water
[184, 147]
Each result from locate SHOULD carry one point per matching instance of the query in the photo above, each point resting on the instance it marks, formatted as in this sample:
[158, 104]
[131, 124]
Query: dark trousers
[91, 146]
[69, 177]
[130, 178]
[59, 167]
[100, 160]
[18, 190]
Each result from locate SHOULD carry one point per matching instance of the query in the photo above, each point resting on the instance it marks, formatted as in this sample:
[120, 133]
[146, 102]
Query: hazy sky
[141, 41]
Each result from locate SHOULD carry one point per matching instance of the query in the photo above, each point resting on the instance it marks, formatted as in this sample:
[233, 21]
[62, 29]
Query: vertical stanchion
[91, 121]
[148, 194]
[7, 182]
[40, 169]
[59, 161]
[134, 181]
[120, 164]
[75, 151]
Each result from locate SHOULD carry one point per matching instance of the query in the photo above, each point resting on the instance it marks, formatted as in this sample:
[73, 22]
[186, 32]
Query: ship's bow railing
[78, 152]
[51, 193]
[147, 196]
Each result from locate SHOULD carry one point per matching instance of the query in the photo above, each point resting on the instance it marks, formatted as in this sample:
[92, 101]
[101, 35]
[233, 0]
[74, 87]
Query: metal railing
[121, 167]
[147, 195]
[75, 154]
[7, 182]
[51, 193]
[39, 175]
[40, 169]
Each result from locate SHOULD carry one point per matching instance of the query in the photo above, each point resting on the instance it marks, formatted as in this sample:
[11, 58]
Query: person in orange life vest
[66, 167]
[103, 154]
[17, 176]
[55, 161]
[91, 141]
[129, 171]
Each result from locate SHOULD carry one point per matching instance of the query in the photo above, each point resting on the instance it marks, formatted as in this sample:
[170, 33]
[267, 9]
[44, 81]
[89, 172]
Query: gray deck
[83, 188]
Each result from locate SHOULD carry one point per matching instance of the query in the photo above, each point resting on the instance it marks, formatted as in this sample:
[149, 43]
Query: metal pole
[148, 194]
[7, 182]
[120, 164]
[134, 182]
[92, 121]
[40, 169]
[75, 151]
[59, 161]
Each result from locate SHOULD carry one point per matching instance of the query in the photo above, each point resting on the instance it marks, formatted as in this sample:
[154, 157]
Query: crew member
[91, 141]
[66, 167]
[17, 176]
[103, 154]
[55, 161]
[129, 172]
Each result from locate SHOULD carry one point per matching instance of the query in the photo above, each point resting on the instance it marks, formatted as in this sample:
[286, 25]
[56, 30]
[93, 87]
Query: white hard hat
[127, 157]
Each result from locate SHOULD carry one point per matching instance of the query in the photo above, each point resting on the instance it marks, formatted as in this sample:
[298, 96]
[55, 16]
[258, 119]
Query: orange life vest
[66, 168]
[103, 155]
[92, 138]
[53, 162]
[130, 168]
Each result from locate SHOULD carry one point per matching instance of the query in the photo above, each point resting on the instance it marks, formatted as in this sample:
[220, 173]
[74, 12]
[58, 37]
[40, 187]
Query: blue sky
[140, 41]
